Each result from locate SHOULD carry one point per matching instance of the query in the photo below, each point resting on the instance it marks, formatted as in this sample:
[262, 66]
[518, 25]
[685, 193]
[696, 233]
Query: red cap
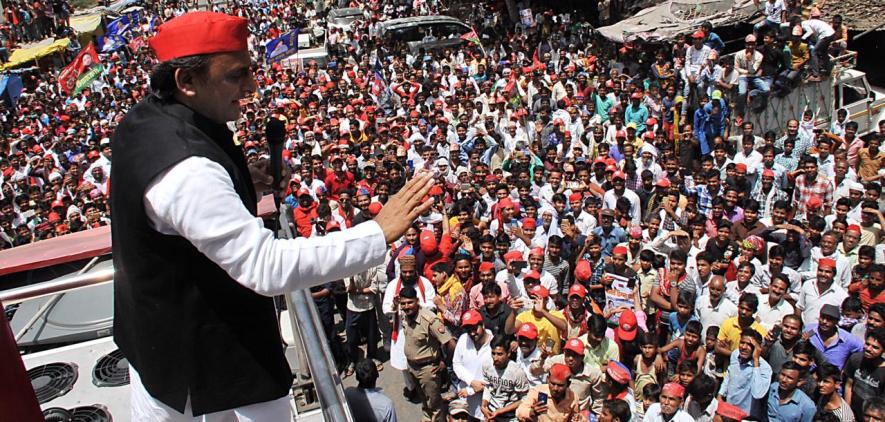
[740, 167]
[583, 271]
[852, 228]
[529, 223]
[436, 191]
[621, 134]
[537, 252]
[618, 372]
[575, 197]
[560, 372]
[636, 95]
[730, 411]
[199, 33]
[663, 183]
[635, 232]
[534, 275]
[513, 256]
[303, 191]
[814, 202]
[470, 317]
[375, 208]
[698, 34]
[619, 175]
[528, 330]
[505, 203]
[428, 242]
[54, 217]
[486, 267]
[674, 389]
[539, 290]
[58, 204]
[332, 225]
[577, 290]
[768, 173]
[620, 250]
[626, 326]
[826, 263]
[575, 345]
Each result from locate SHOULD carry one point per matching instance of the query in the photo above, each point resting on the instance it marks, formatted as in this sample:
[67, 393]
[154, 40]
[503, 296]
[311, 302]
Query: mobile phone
[519, 265]
[542, 398]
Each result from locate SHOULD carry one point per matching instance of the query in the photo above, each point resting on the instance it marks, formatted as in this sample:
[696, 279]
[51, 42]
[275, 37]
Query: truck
[845, 87]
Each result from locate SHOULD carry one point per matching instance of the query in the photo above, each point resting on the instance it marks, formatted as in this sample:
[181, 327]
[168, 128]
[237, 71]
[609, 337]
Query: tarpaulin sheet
[26, 55]
[85, 24]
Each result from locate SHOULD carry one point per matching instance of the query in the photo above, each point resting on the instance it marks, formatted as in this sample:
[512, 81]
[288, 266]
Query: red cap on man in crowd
[529, 223]
[486, 267]
[197, 33]
[470, 317]
[527, 330]
[575, 345]
[583, 271]
[577, 290]
[826, 263]
[560, 372]
[627, 327]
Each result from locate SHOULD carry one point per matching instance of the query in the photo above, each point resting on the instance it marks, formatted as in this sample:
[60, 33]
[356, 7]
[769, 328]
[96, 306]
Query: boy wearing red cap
[560, 404]
[587, 381]
[195, 271]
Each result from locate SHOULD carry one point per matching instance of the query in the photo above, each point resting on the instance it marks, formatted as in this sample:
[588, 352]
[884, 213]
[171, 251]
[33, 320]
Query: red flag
[471, 37]
[74, 77]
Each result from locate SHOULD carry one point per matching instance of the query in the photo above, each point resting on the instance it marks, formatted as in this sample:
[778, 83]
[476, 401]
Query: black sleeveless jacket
[183, 323]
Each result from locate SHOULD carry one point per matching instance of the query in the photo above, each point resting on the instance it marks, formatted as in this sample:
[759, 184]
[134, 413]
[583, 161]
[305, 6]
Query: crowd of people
[609, 239]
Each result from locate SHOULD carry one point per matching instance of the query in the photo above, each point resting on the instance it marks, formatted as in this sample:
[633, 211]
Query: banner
[283, 46]
[83, 70]
[137, 43]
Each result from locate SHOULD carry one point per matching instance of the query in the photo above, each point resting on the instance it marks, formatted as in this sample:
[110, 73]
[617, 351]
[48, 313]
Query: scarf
[399, 285]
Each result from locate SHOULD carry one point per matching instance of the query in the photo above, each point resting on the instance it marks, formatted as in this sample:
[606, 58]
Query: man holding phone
[551, 402]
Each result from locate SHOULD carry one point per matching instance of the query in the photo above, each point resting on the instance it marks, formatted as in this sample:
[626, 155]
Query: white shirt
[525, 362]
[610, 200]
[714, 316]
[653, 414]
[811, 300]
[195, 199]
[768, 315]
[467, 361]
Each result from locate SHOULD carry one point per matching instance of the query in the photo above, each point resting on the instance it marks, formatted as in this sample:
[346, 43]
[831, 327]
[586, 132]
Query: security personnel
[425, 334]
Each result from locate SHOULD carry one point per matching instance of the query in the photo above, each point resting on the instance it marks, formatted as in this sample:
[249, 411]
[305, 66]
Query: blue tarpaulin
[10, 89]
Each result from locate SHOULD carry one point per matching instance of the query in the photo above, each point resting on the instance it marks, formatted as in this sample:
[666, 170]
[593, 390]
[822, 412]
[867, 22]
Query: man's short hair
[366, 373]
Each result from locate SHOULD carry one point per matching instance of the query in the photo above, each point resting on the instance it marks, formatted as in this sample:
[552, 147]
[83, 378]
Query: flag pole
[480, 41]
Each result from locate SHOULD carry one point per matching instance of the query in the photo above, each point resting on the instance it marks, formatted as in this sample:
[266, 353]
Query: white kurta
[397, 348]
[195, 199]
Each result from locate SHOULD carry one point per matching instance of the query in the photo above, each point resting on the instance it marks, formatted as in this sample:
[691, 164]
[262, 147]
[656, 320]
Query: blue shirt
[746, 386]
[610, 240]
[841, 349]
[799, 408]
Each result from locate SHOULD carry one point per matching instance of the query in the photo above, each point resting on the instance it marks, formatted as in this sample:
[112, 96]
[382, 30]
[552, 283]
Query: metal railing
[306, 327]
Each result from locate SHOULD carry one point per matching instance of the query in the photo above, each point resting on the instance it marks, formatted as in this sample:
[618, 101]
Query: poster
[527, 18]
[618, 294]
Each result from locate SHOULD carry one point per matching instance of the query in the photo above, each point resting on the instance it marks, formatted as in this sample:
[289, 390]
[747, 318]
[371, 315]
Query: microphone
[275, 131]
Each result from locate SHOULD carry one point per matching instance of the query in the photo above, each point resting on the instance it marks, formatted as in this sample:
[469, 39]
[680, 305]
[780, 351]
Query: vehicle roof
[403, 22]
[345, 11]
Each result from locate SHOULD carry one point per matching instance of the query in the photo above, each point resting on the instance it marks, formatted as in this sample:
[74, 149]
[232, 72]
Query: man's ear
[185, 82]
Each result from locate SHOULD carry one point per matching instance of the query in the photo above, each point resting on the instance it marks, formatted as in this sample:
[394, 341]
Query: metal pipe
[325, 378]
[50, 303]
[55, 286]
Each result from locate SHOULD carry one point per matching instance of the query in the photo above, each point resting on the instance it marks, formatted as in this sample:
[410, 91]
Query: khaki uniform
[424, 336]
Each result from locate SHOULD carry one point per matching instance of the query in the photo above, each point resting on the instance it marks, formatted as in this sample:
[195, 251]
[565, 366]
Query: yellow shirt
[546, 329]
[730, 332]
